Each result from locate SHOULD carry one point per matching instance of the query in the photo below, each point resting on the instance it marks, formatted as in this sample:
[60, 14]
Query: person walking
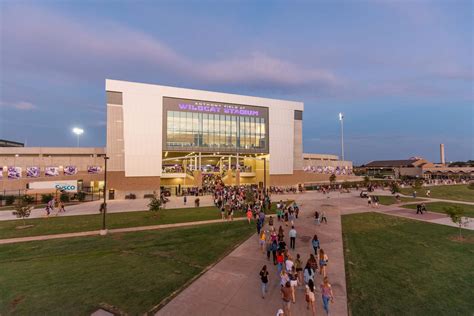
[249, 215]
[293, 282]
[313, 262]
[327, 294]
[289, 264]
[310, 298]
[262, 239]
[292, 234]
[274, 252]
[185, 199]
[323, 262]
[62, 208]
[281, 233]
[264, 280]
[323, 217]
[316, 217]
[279, 259]
[286, 298]
[315, 244]
[299, 268]
[308, 273]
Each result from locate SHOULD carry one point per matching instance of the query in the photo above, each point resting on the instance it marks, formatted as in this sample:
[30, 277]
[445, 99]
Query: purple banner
[14, 173]
[94, 169]
[32, 172]
[70, 170]
[51, 171]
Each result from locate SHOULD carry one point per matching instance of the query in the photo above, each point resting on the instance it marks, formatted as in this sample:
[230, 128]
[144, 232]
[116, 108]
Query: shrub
[64, 197]
[28, 199]
[10, 199]
[155, 204]
[471, 186]
[456, 213]
[81, 196]
[22, 210]
[45, 198]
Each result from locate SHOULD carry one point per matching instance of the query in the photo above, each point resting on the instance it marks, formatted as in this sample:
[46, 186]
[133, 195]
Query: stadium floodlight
[78, 131]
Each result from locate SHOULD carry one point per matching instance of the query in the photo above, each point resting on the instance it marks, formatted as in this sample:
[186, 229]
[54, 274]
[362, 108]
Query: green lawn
[438, 207]
[69, 224]
[448, 192]
[397, 266]
[389, 200]
[132, 271]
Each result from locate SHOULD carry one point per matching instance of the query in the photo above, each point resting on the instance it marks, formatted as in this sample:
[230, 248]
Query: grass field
[389, 200]
[70, 224]
[397, 266]
[438, 207]
[448, 192]
[132, 271]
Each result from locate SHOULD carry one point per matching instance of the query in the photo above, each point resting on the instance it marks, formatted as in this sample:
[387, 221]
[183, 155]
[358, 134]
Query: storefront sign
[66, 185]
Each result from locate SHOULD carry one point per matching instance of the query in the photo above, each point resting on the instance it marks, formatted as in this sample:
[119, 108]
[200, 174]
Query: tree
[332, 178]
[418, 184]
[456, 213]
[366, 181]
[22, 210]
[395, 187]
[155, 204]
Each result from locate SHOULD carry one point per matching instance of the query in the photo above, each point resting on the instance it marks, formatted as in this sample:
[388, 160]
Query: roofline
[197, 90]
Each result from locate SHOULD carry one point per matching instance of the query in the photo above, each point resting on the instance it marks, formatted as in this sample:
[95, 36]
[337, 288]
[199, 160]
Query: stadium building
[161, 137]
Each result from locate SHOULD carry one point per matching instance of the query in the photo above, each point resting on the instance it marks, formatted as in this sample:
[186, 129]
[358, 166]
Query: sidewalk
[113, 206]
[110, 231]
[232, 286]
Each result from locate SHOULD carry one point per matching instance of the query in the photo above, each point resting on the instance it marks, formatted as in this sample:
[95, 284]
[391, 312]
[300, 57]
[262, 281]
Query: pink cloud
[90, 47]
[22, 105]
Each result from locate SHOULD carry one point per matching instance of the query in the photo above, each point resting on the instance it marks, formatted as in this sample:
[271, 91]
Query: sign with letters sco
[63, 185]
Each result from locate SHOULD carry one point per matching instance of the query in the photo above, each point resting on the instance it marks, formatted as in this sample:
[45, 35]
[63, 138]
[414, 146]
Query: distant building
[9, 143]
[415, 167]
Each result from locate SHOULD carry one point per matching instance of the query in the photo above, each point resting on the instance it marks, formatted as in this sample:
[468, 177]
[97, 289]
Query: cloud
[22, 105]
[85, 48]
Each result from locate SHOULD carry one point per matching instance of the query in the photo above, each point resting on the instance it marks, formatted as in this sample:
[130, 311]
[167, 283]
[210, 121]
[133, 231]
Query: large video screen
[199, 125]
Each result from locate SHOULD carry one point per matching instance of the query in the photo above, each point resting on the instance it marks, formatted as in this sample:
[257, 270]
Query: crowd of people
[296, 277]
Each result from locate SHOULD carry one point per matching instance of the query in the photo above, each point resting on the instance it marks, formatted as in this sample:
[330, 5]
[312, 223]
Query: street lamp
[341, 119]
[264, 175]
[103, 231]
[78, 131]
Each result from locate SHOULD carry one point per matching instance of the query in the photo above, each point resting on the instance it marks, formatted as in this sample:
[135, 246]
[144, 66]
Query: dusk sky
[401, 71]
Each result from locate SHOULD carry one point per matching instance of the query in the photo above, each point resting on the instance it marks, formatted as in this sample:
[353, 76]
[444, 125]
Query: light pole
[341, 119]
[78, 131]
[103, 231]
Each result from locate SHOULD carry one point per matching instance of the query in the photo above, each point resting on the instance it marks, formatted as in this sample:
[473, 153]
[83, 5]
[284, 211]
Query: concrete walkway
[232, 286]
[113, 206]
[110, 231]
